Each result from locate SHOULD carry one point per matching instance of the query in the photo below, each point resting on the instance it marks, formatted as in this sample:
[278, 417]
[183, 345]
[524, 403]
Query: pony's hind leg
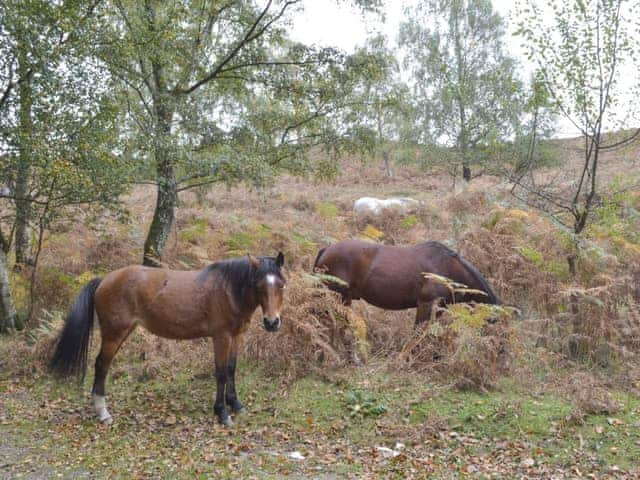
[110, 346]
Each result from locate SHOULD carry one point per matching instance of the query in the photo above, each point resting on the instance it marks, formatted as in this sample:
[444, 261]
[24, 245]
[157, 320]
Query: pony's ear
[253, 261]
[280, 259]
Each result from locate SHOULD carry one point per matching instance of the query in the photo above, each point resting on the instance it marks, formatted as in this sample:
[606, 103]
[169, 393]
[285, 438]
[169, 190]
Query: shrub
[617, 220]
[318, 333]
[589, 397]
[250, 239]
[194, 233]
[303, 204]
[239, 243]
[409, 222]
[372, 233]
[598, 325]
[558, 268]
[111, 252]
[327, 210]
[462, 347]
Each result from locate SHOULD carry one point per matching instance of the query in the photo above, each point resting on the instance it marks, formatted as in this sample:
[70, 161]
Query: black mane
[240, 274]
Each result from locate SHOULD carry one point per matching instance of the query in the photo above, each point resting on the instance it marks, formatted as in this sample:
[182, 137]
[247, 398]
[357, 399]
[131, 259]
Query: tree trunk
[466, 173]
[532, 143]
[167, 195]
[23, 205]
[163, 215]
[464, 146]
[580, 222]
[463, 141]
[387, 163]
[385, 152]
[571, 261]
[592, 153]
[7, 309]
[23, 211]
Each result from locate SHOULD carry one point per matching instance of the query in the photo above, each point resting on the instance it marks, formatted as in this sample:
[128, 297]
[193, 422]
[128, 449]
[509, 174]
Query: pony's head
[269, 284]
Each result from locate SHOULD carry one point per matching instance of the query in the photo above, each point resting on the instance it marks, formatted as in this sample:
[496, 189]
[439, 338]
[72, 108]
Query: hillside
[551, 390]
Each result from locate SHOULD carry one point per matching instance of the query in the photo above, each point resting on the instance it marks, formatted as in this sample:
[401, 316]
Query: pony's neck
[243, 307]
[250, 302]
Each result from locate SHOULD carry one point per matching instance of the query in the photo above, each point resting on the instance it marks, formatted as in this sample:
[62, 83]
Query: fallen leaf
[296, 455]
[528, 462]
[387, 452]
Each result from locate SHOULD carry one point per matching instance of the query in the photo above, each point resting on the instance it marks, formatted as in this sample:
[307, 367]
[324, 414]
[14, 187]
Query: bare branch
[621, 143]
[252, 33]
[268, 64]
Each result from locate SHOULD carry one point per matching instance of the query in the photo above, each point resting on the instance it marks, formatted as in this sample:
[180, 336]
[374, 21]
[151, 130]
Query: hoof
[237, 408]
[107, 420]
[226, 421]
[241, 411]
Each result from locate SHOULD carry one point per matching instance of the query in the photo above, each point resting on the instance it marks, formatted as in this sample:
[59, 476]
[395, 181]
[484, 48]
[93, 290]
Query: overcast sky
[325, 23]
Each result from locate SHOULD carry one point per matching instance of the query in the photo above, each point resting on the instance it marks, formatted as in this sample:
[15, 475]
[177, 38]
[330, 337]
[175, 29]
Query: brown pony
[216, 302]
[391, 277]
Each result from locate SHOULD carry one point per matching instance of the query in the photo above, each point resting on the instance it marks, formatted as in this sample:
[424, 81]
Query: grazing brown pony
[391, 277]
[216, 302]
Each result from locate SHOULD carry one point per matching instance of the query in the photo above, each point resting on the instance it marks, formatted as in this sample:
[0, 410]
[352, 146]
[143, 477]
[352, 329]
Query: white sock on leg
[100, 405]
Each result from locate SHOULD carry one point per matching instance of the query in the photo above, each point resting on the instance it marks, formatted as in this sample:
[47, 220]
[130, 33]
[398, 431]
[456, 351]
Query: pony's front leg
[231, 397]
[428, 311]
[343, 290]
[423, 313]
[430, 297]
[222, 352]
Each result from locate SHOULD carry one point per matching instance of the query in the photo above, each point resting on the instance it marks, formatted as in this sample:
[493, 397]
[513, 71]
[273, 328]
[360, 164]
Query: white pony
[369, 207]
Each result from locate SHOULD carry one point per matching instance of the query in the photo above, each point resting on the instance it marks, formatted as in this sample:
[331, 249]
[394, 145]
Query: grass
[165, 426]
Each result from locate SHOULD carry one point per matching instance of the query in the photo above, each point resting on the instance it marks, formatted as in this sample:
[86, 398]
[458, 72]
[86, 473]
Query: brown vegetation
[590, 319]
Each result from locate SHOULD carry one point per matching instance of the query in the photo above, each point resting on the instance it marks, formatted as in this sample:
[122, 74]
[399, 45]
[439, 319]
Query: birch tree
[465, 87]
[58, 125]
[381, 104]
[202, 66]
[582, 50]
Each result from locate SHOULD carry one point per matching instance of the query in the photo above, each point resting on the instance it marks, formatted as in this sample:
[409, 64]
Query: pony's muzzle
[271, 325]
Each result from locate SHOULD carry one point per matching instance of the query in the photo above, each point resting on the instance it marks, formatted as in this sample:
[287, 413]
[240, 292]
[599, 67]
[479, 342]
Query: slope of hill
[552, 391]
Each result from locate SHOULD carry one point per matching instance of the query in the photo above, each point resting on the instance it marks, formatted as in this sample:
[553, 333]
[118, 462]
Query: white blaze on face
[271, 297]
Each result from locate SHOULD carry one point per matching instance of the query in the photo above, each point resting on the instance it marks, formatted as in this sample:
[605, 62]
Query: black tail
[493, 299]
[315, 264]
[70, 356]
